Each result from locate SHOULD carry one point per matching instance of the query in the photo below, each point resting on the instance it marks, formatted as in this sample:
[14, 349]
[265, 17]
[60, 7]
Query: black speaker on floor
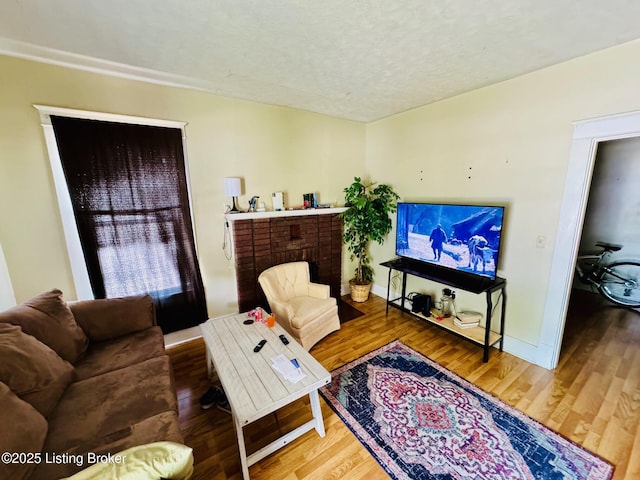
[421, 304]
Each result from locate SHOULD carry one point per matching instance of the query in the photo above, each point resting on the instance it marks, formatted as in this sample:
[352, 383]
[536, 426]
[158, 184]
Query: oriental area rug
[421, 421]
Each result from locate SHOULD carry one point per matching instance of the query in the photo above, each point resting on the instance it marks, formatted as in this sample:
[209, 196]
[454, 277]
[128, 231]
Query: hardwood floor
[592, 398]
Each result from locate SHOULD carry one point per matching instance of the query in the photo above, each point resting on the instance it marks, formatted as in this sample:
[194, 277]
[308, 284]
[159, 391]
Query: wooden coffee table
[253, 387]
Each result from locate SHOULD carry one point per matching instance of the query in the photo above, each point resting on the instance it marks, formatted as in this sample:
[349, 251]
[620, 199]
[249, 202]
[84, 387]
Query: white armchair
[302, 308]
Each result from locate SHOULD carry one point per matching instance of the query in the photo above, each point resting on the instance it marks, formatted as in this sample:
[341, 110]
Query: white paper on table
[288, 370]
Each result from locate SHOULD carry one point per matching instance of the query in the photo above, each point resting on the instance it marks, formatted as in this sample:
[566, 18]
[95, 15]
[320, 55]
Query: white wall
[613, 210]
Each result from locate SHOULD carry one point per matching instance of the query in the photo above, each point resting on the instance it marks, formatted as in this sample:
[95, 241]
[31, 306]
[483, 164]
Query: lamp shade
[232, 187]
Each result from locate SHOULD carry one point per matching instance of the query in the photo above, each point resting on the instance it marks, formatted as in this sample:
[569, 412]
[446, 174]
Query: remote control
[259, 346]
[284, 339]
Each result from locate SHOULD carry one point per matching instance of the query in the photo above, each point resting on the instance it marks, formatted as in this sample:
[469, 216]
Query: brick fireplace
[262, 240]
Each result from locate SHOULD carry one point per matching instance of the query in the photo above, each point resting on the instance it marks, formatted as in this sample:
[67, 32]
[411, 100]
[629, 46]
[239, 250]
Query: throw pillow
[23, 431]
[108, 318]
[48, 318]
[144, 462]
[31, 369]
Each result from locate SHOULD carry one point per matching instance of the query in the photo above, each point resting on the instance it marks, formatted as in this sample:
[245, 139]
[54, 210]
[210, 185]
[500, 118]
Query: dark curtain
[128, 189]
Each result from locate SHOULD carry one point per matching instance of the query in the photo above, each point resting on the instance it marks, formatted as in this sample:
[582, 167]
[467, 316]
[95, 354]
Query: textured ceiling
[356, 59]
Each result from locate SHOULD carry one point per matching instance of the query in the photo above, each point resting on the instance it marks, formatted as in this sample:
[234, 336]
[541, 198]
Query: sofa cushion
[144, 462]
[102, 409]
[26, 434]
[108, 318]
[48, 318]
[31, 369]
[161, 427]
[102, 357]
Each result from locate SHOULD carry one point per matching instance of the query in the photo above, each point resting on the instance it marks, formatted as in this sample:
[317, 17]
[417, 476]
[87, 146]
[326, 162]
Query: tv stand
[481, 336]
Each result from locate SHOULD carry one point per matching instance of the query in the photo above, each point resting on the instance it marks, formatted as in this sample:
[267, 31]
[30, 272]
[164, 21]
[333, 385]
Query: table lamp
[233, 188]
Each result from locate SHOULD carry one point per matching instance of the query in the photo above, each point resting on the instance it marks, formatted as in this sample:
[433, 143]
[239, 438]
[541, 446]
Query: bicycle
[618, 281]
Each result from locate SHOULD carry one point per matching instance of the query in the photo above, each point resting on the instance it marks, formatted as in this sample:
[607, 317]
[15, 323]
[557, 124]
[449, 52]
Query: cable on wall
[226, 240]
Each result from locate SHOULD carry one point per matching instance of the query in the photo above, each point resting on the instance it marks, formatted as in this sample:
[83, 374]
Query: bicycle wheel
[620, 283]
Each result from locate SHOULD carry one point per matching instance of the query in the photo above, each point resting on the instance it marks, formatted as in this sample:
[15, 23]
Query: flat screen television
[462, 238]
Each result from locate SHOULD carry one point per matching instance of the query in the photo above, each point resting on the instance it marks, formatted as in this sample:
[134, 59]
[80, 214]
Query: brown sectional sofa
[88, 377]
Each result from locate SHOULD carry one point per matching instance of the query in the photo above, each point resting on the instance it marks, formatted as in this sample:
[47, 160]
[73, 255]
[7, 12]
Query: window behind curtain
[128, 190]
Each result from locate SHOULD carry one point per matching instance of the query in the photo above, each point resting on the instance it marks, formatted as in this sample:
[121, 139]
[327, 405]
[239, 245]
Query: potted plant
[366, 219]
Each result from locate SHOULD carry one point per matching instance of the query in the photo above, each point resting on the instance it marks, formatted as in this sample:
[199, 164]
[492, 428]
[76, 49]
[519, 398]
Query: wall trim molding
[47, 111]
[182, 336]
[51, 56]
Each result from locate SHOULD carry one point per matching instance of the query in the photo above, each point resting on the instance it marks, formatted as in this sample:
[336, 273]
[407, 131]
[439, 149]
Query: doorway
[613, 207]
[612, 215]
[587, 136]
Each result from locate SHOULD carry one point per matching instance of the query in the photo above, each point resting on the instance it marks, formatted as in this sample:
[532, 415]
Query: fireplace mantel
[264, 239]
[284, 213]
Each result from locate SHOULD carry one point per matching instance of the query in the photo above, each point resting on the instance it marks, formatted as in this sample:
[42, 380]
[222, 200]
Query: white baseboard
[375, 288]
[537, 355]
[182, 336]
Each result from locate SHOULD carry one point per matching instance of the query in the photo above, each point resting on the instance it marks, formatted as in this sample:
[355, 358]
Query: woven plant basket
[359, 293]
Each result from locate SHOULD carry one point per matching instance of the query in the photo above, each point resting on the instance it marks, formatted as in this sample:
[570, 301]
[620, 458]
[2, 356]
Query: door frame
[586, 137]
